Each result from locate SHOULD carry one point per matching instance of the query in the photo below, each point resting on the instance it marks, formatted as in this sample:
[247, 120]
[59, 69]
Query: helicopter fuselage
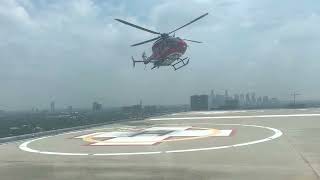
[166, 51]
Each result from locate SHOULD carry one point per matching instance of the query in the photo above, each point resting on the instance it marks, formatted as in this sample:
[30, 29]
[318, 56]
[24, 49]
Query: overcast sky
[73, 52]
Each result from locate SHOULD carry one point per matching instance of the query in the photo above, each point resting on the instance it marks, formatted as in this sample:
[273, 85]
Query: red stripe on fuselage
[173, 50]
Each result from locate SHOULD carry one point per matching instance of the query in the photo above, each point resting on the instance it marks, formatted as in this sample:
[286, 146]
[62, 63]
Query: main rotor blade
[189, 23]
[192, 41]
[138, 27]
[153, 39]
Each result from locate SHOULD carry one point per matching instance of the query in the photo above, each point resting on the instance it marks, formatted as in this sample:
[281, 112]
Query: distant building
[199, 102]
[259, 100]
[274, 101]
[216, 101]
[242, 100]
[253, 98]
[265, 100]
[52, 107]
[150, 109]
[96, 107]
[226, 94]
[69, 109]
[248, 102]
[236, 97]
[134, 110]
[212, 100]
[220, 100]
[231, 104]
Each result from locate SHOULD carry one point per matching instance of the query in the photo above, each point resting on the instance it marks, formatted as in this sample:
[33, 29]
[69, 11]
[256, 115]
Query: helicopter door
[161, 48]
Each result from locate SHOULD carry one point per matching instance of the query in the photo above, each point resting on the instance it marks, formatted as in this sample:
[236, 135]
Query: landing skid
[181, 63]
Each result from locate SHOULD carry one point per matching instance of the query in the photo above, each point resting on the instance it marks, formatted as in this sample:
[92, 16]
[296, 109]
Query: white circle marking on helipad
[277, 134]
[233, 117]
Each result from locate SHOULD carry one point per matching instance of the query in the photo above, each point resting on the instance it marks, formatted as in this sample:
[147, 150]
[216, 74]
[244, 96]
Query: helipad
[275, 144]
[151, 135]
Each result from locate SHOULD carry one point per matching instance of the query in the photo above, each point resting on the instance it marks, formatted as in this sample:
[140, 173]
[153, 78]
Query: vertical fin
[133, 61]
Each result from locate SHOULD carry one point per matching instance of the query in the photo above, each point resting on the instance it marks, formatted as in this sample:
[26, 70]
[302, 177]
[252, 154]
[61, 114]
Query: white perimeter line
[277, 133]
[133, 153]
[235, 117]
[24, 146]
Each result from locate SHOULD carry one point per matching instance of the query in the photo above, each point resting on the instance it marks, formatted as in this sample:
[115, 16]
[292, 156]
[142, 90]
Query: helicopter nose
[183, 44]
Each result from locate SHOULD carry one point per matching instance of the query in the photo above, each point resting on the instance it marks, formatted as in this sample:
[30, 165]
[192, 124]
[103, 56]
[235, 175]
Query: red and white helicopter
[167, 50]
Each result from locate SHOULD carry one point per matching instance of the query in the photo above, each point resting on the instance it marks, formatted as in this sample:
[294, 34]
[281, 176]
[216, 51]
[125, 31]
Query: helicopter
[167, 50]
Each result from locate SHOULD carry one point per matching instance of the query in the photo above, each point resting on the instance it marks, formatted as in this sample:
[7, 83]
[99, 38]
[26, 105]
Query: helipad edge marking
[234, 117]
[277, 134]
[119, 154]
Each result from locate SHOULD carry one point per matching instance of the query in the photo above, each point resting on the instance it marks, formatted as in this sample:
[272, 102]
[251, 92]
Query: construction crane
[295, 94]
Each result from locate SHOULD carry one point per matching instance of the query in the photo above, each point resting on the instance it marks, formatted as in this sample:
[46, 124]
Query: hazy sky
[74, 53]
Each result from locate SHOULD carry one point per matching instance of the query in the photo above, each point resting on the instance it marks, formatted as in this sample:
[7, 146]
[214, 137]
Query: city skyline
[216, 101]
[51, 106]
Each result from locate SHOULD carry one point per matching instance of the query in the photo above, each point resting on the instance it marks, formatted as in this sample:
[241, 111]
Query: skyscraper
[199, 102]
[52, 106]
[253, 98]
[248, 99]
[96, 107]
[69, 109]
[259, 100]
[226, 94]
[220, 100]
[242, 101]
[236, 97]
[265, 100]
[212, 98]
